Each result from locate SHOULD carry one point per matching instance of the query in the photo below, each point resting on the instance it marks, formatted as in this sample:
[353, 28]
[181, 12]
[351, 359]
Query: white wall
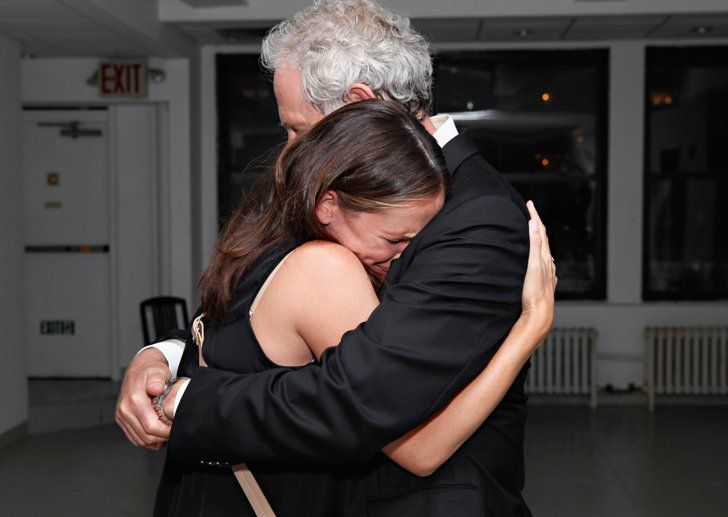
[204, 157]
[62, 82]
[207, 149]
[13, 384]
[136, 246]
[622, 318]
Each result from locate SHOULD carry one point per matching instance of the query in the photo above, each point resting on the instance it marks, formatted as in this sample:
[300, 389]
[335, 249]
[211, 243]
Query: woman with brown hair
[297, 266]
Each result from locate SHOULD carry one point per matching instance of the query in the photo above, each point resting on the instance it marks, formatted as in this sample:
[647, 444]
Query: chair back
[162, 314]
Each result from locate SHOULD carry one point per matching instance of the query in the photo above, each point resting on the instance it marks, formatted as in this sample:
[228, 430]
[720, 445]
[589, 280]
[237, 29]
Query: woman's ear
[328, 207]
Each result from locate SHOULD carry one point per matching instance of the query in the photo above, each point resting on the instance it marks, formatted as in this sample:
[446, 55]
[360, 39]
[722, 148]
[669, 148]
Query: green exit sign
[58, 327]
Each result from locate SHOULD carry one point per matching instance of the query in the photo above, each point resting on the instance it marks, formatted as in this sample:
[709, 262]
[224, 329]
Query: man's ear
[327, 207]
[359, 92]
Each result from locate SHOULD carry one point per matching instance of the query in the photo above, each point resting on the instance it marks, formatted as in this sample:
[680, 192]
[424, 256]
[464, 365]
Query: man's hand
[135, 413]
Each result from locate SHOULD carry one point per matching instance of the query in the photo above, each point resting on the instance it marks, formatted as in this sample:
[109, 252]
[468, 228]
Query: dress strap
[265, 285]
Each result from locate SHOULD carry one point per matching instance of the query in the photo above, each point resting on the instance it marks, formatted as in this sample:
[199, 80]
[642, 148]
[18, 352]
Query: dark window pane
[248, 128]
[686, 253]
[540, 119]
[689, 252]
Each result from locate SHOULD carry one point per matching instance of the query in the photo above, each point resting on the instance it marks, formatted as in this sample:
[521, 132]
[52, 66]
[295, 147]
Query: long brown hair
[372, 153]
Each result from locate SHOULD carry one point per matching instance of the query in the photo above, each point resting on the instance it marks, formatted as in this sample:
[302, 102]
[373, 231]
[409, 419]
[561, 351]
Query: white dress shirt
[172, 349]
[445, 129]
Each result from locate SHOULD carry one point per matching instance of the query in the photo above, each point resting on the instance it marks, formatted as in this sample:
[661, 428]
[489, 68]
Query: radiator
[686, 361]
[565, 364]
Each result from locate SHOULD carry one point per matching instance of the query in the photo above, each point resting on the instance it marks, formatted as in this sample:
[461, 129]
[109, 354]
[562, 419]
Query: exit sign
[58, 327]
[123, 78]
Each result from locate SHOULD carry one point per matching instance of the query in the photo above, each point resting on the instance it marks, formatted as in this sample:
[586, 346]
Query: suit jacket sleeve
[189, 360]
[433, 332]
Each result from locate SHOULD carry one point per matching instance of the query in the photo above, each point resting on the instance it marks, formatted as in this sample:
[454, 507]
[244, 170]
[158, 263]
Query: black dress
[201, 489]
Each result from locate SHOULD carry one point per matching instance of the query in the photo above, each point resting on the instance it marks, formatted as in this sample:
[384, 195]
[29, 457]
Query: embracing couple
[368, 312]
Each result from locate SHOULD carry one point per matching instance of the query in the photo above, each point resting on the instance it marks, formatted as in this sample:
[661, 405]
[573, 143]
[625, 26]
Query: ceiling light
[702, 30]
[523, 33]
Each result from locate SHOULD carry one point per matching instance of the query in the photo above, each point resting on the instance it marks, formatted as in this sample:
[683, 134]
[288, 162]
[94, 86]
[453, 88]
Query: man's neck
[429, 126]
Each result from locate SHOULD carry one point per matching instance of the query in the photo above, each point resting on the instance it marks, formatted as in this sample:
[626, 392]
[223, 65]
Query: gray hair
[336, 43]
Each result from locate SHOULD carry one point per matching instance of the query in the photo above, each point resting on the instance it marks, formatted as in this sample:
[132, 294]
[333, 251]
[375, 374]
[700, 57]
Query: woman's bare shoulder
[324, 272]
[325, 258]
[325, 290]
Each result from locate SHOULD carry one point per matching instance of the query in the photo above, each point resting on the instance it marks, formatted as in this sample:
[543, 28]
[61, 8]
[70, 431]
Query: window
[686, 174]
[249, 133]
[540, 119]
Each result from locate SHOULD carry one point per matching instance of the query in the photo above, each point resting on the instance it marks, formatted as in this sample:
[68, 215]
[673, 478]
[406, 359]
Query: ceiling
[54, 28]
[214, 3]
[583, 28]
[51, 28]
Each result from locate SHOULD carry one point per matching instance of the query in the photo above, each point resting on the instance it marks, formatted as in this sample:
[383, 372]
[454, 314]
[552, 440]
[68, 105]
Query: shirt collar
[445, 129]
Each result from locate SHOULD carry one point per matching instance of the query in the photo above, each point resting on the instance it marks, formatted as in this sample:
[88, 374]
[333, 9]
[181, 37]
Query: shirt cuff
[180, 392]
[172, 350]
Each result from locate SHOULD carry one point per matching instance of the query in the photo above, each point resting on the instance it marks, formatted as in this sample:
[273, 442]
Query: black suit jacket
[451, 299]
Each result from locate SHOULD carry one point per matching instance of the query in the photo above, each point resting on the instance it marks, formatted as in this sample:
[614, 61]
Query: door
[67, 239]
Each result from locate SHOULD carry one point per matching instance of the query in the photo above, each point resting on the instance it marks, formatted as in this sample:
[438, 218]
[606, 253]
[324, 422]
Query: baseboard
[539, 399]
[604, 398]
[13, 434]
[691, 400]
[75, 415]
[633, 398]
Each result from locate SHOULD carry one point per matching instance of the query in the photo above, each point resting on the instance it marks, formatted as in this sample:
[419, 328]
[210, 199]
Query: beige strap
[198, 336]
[245, 477]
[265, 285]
[252, 490]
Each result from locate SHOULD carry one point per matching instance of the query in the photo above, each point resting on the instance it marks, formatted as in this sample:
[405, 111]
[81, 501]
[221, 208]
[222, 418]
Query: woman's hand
[540, 282]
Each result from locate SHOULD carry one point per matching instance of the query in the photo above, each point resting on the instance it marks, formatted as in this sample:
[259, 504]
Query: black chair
[165, 313]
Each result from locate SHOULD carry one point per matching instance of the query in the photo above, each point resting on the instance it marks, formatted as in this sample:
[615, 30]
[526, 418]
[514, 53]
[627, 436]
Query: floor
[90, 472]
[622, 461]
[618, 461]
[60, 404]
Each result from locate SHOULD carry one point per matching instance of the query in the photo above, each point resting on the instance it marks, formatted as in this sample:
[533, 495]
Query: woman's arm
[424, 449]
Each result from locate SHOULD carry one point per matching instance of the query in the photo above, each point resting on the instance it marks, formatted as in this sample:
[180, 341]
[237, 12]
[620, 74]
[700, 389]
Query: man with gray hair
[447, 305]
[337, 45]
